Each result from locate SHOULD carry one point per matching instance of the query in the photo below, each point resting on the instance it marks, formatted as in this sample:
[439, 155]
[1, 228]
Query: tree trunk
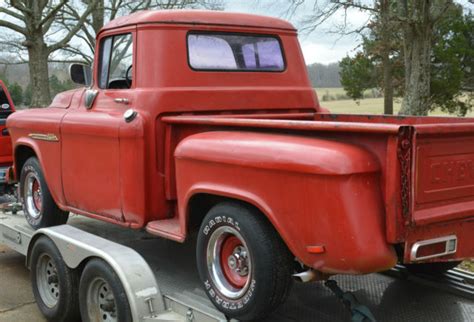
[388, 86]
[386, 63]
[417, 49]
[39, 74]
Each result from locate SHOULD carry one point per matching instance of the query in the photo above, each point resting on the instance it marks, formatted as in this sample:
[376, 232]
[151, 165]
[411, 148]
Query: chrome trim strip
[44, 137]
[446, 239]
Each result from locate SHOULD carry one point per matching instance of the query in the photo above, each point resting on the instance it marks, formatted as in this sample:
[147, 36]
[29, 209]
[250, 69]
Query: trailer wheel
[101, 294]
[244, 265]
[431, 268]
[55, 286]
[38, 204]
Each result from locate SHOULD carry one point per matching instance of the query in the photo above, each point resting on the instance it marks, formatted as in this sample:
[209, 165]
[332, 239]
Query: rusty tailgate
[443, 176]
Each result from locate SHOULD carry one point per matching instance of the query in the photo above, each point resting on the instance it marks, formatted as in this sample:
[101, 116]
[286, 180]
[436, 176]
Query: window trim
[99, 64]
[206, 32]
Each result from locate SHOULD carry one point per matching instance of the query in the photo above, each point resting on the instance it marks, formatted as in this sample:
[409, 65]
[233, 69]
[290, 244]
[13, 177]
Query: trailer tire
[243, 263]
[101, 294]
[39, 207]
[431, 268]
[55, 286]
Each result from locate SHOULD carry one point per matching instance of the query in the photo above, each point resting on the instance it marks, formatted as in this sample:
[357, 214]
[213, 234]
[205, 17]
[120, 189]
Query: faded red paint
[325, 182]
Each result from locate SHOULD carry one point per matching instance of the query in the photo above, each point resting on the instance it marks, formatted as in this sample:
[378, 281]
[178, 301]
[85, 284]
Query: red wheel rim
[228, 248]
[36, 189]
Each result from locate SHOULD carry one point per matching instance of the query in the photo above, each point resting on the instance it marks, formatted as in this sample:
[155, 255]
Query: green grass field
[365, 106]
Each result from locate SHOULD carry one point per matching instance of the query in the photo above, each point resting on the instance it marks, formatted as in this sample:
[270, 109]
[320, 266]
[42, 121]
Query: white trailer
[64, 257]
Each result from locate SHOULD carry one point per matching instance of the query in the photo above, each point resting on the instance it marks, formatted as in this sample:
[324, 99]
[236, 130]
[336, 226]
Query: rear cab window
[235, 52]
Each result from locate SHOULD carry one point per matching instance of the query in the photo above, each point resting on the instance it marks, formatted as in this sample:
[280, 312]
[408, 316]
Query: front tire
[244, 265]
[54, 284]
[38, 205]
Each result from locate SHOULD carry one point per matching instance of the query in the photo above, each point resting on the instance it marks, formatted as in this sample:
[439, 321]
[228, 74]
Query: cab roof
[201, 17]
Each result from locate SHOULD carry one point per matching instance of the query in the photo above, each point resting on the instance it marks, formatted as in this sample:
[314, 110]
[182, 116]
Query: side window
[116, 61]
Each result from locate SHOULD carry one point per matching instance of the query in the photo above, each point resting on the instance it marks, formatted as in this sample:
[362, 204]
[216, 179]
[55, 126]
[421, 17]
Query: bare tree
[418, 18]
[31, 22]
[106, 10]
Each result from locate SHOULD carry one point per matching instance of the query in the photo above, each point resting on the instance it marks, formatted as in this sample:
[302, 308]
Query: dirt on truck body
[207, 121]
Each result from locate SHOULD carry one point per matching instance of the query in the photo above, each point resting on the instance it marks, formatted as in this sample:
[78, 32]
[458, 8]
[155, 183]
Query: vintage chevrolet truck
[206, 122]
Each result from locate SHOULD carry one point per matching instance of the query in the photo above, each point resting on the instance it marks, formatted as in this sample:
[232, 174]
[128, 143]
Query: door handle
[121, 100]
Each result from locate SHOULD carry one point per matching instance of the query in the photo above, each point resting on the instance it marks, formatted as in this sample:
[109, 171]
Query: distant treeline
[324, 75]
[17, 76]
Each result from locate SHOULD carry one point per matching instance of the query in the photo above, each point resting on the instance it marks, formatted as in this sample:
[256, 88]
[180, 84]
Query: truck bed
[427, 164]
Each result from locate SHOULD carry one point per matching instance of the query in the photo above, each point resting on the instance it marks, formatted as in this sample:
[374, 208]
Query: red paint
[227, 250]
[331, 185]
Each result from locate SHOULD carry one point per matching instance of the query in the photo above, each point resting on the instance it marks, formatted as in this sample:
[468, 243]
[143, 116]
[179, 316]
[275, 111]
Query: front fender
[315, 192]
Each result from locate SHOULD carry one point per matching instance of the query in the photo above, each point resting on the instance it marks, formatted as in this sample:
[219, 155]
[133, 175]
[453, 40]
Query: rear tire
[101, 294]
[243, 263]
[55, 286]
[431, 268]
[38, 205]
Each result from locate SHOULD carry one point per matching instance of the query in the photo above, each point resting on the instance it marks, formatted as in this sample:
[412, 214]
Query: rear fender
[314, 192]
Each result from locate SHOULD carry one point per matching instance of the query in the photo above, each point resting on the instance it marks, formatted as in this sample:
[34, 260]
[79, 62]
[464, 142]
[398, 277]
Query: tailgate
[443, 177]
[441, 191]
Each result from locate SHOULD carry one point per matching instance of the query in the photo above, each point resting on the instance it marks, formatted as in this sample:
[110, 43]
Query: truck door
[91, 150]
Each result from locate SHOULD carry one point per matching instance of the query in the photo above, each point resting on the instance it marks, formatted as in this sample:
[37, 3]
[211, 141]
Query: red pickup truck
[207, 122]
[6, 158]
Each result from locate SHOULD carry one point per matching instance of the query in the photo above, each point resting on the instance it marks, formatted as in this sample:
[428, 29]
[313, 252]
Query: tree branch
[63, 42]
[52, 13]
[12, 26]
[12, 13]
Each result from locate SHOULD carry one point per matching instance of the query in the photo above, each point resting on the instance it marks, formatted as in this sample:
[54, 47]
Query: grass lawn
[365, 106]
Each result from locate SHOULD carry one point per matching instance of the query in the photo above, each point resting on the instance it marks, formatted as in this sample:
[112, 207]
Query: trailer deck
[389, 298]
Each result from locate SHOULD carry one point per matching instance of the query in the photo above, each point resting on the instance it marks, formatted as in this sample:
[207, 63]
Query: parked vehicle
[6, 159]
[207, 121]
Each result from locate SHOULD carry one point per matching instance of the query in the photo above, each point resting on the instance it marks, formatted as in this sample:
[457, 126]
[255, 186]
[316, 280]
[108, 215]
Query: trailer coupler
[359, 312]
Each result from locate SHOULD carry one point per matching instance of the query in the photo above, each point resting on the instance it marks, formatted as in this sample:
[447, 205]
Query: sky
[322, 45]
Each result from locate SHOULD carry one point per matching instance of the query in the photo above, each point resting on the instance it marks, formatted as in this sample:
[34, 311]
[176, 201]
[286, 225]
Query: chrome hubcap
[229, 262]
[238, 261]
[33, 196]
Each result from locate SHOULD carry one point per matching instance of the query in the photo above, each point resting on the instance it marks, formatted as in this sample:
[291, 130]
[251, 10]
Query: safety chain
[404, 156]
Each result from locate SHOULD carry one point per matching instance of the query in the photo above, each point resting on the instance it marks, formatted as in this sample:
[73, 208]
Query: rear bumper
[461, 230]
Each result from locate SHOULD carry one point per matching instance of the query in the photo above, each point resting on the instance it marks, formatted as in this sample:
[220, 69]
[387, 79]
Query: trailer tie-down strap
[359, 312]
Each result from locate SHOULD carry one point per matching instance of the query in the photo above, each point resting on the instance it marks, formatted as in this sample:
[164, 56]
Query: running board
[167, 228]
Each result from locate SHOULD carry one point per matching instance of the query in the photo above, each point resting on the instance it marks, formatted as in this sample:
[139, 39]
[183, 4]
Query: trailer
[161, 283]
